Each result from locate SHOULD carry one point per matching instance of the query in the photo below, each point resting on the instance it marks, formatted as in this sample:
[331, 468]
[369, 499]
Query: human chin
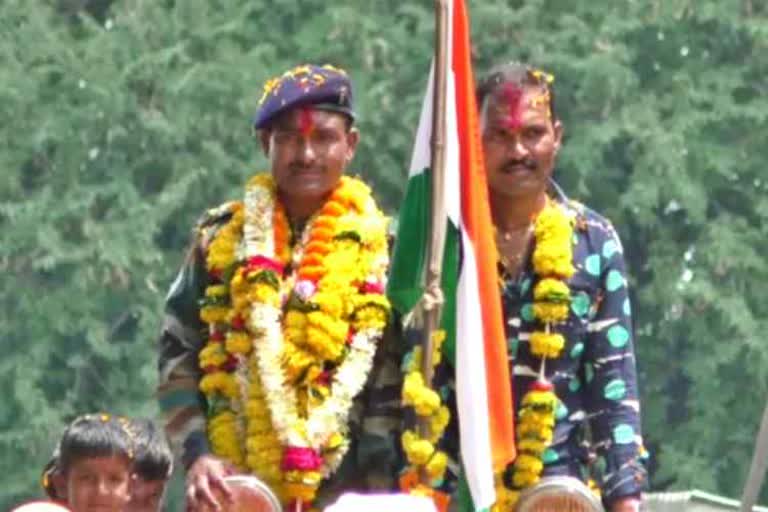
[307, 190]
[143, 506]
[114, 506]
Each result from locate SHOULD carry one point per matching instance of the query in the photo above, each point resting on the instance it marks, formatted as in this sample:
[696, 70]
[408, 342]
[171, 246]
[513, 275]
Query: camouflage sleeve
[378, 450]
[374, 459]
[181, 338]
[183, 335]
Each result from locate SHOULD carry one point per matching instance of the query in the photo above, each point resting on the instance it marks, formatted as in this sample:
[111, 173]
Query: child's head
[92, 470]
[152, 467]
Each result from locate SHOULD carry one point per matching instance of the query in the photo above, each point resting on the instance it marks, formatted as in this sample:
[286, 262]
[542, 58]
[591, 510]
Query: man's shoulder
[213, 219]
[218, 215]
[588, 220]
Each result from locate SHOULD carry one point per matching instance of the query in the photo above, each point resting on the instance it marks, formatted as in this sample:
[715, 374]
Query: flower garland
[293, 332]
[215, 360]
[421, 452]
[553, 266]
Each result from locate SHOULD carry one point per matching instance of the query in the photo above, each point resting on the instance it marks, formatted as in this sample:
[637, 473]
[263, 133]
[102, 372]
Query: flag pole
[758, 467]
[433, 296]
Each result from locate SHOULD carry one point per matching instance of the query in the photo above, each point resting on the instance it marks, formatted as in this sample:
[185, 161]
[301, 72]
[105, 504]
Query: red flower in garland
[376, 287]
[231, 364]
[301, 459]
[238, 323]
[264, 263]
[542, 385]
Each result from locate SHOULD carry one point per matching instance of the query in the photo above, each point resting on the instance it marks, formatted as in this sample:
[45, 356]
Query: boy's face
[97, 484]
[146, 495]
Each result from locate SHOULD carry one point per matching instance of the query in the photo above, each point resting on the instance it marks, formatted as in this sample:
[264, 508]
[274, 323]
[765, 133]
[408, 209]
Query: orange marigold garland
[289, 351]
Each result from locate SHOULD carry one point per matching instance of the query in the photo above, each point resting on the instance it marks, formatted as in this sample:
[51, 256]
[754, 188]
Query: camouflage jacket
[374, 457]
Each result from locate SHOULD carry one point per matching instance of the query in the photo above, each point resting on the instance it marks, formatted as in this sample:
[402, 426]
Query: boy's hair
[95, 435]
[153, 460]
[90, 435]
[46, 479]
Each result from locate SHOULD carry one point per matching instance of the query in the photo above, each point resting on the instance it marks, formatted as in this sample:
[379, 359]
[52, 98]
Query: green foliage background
[122, 121]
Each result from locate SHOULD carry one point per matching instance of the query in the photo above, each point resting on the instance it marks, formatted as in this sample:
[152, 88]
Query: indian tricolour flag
[472, 313]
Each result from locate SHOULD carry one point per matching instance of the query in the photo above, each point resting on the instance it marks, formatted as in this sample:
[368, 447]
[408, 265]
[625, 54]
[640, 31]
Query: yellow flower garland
[421, 452]
[553, 266]
[287, 354]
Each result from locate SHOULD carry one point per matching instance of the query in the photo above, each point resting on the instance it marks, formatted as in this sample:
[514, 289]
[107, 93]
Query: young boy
[152, 467]
[92, 466]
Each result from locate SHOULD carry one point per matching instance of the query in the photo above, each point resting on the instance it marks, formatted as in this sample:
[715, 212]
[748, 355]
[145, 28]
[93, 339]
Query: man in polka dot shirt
[594, 378]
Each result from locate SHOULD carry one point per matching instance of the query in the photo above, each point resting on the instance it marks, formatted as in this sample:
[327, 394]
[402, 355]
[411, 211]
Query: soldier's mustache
[304, 169]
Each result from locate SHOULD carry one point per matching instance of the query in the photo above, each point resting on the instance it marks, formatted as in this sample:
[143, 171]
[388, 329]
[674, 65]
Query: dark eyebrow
[284, 128]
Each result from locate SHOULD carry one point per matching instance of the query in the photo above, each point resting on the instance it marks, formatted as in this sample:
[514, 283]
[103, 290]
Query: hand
[629, 504]
[205, 484]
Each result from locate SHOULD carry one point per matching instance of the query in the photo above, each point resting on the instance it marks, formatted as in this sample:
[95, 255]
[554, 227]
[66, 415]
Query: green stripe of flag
[406, 277]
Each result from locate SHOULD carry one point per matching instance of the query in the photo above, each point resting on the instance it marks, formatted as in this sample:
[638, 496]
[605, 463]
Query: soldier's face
[309, 150]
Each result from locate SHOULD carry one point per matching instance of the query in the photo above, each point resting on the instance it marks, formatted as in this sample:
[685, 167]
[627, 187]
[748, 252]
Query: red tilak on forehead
[513, 95]
[306, 122]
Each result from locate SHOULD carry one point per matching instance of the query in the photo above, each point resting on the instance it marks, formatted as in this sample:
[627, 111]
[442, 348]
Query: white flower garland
[264, 323]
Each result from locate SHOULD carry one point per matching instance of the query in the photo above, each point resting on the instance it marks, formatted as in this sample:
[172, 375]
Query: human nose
[517, 148]
[102, 487]
[307, 151]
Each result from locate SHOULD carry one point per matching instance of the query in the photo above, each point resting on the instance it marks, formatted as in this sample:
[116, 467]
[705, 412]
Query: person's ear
[558, 128]
[264, 137]
[353, 137]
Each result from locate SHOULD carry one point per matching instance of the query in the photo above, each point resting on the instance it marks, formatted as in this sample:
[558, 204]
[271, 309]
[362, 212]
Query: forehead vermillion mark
[512, 95]
[306, 122]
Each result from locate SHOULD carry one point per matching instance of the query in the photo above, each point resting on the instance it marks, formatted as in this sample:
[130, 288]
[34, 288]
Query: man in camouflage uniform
[306, 170]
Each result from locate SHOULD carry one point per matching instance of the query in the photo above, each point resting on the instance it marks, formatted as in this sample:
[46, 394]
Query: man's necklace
[518, 241]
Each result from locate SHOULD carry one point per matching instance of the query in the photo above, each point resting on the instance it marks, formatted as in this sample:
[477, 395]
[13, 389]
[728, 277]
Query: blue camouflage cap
[324, 87]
